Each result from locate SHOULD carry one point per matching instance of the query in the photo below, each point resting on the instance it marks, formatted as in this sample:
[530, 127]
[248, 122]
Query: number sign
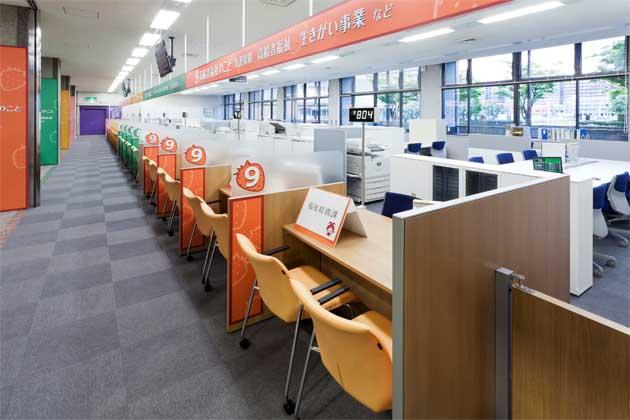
[362, 115]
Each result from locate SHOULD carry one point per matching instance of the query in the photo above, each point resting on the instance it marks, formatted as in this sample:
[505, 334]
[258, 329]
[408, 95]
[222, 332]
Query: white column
[310, 7]
[333, 102]
[243, 26]
[431, 92]
[185, 53]
[207, 38]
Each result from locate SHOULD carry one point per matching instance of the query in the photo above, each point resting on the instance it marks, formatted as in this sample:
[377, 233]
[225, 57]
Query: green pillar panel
[49, 136]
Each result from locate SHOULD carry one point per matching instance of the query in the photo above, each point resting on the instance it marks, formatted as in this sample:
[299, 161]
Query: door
[92, 120]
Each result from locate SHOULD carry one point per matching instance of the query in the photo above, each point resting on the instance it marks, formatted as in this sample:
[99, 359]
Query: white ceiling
[94, 38]
[94, 48]
[579, 20]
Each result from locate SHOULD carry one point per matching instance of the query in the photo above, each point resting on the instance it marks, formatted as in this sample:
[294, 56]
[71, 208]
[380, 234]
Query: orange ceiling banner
[350, 22]
[13, 128]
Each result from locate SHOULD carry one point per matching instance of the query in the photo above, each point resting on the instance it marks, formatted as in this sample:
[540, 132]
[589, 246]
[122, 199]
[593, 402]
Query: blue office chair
[395, 203]
[476, 159]
[504, 158]
[600, 230]
[438, 149]
[530, 154]
[621, 236]
[617, 194]
[414, 148]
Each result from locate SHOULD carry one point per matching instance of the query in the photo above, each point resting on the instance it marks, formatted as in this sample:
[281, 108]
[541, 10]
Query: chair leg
[308, 359]
[152, 193]
[205, 262]
[192, 235]
[289, 405]
[602, 259]
[171, 218]
[244, 341]
[164, 209]
[208, 286]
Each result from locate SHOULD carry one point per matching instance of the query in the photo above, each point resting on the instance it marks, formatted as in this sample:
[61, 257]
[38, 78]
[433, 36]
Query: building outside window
[581, 86]
[262, 104]
[396, 93]
[306, 102]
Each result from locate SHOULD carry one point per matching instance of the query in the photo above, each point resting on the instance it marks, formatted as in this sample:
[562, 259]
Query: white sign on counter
[324, 214]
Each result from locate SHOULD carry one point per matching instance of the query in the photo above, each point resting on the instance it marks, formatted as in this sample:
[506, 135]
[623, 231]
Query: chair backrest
[600, 229]
[153, 169]
[476, 159]
[351, 353]
[172, 187]
[504, 158]
[617, 194]
[438, 149]
[204, 224]
[414, 147]
[395, 203]
[530, 154]
[273, 281]
[219, 224]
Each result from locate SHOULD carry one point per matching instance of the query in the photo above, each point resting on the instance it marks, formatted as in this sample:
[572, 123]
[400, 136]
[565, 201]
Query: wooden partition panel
[450, 256]
[567, 363]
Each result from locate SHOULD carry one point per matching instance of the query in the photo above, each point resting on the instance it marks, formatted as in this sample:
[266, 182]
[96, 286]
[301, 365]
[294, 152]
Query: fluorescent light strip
[139, 52]
[253, 76]
[183, 1]
[542, 7]
[325, 59]
[132, 61]
[164, 19]
[270, 72]
[127, 68]
[149, 39]
[294, 66]
[427, 35]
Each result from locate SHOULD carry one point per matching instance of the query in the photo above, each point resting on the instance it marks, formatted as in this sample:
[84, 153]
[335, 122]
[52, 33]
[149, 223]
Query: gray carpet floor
[610, 295]
[101, 318]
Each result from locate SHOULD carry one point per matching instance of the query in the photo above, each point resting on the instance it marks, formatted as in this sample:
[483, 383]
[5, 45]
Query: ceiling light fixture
[149, 39]
[183, 1]
[427, 35]
[524, 11]
[294, 66]
[164, 19]
[270, 72]
[139, 52]
[127, 68]
[325, 59]
[253, 76]
[132, 61]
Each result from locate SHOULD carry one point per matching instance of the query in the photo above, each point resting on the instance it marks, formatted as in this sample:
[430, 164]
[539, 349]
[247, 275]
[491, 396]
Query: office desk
[365, 264]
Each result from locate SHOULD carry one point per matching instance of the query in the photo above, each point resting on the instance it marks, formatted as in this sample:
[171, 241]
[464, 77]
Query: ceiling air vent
[281, 3]
[467, 41]
[82, 13]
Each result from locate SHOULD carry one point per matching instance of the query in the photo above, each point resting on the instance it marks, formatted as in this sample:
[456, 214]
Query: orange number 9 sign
[169, 145]
[196, 155]
[251, 176]
[152, 138]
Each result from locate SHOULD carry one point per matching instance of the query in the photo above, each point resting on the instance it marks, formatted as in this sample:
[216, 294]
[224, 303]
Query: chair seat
[380, 326]
[312, 277]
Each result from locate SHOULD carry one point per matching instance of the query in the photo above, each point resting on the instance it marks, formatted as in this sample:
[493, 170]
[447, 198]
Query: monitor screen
[548, 164]
[162, 59]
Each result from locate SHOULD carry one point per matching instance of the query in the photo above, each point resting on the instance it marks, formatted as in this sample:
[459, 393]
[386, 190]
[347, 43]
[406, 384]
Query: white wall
[333, 102]
[102, 98]
[174, 105]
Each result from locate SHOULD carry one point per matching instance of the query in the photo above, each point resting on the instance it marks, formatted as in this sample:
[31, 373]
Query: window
[456, 72]
[231, 103]
[605, 55]
[603, 107]
[395, 92]
[545, 62]
[456, 110]
[492, 69]
[582, 87]
[306, 102]
[491, 109]
[262, 104]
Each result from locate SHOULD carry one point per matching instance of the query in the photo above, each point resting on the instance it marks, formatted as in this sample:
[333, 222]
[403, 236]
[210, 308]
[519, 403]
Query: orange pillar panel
[64, 141]
[13, 128]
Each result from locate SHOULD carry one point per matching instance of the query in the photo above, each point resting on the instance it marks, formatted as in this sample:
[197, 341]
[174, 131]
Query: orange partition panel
[246, 217]
[13, 128]
[195, 180]
[152, 153]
